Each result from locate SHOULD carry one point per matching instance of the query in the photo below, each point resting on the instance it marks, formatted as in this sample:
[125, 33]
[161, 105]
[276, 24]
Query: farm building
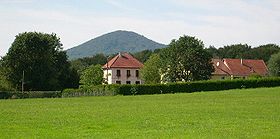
[238, 68]
[122, 69]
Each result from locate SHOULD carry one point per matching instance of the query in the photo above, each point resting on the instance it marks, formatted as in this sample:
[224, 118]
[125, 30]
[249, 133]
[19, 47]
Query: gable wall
[113, 78]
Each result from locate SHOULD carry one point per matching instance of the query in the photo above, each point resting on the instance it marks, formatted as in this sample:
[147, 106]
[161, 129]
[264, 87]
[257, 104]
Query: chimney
[120, 54]
[241, 61]
[218, 63]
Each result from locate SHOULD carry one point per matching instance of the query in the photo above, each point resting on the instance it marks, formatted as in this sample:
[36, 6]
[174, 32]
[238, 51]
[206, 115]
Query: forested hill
[114, 42]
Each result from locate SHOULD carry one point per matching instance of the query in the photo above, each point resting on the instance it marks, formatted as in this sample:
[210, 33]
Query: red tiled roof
[123, 60]
[221, 68]
[240, 67]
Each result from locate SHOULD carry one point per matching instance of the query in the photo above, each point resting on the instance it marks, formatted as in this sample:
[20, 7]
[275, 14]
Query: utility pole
[107, 68]
[22, 82]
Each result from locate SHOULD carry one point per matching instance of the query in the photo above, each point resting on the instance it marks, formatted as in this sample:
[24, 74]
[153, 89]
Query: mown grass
[252, 113]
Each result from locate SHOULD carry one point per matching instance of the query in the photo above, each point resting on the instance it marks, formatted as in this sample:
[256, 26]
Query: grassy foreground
[252, 113]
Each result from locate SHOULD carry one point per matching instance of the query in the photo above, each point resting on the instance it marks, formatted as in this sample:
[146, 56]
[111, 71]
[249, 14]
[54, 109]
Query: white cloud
[17, 1]
[119, 5]
[244, 23]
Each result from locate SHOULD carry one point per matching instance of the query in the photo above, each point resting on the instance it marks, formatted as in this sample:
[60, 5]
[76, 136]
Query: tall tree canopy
[42, 60]
[187, 60]
[213, 51]
[93, 75]
[235, 51]
[4, 83]
[143, 56]
[151, 73]
[82, 63]
[263, 52]
[274, 65]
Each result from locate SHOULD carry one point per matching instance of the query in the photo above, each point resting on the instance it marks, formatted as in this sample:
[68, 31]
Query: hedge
[99, 90]
[198, 86]
[211, 85]
[29, 94]
[110, 90]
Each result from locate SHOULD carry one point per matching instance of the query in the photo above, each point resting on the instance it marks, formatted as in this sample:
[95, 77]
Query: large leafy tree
[143, 56]
[244, 51]
[235, 51]
[40, 57]
[93, 75]
[187, 60]
[151, 73]
[274, 65]
[213, 51]
[4, 83]
[264, 52]
[82, 63]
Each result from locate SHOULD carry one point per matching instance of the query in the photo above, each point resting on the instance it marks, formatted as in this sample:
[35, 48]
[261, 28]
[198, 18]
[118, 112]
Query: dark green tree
[187, 60]
[4, 83]
[82, 63]
[143, 56]
[42, 60]
[151, 73]
[235, 51]
[213, 51]
[264, 52]
[274, 65]
[93, 75]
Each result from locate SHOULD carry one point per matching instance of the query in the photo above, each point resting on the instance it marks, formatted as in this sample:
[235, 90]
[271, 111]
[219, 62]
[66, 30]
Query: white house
[122, 69]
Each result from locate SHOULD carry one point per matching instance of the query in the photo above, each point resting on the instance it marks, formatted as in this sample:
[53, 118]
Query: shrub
[210, 85]
[99, 90]
[29, 94]
[188, 87]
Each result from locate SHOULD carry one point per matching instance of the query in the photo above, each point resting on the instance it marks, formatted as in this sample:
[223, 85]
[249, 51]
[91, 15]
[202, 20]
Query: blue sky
[216, 22]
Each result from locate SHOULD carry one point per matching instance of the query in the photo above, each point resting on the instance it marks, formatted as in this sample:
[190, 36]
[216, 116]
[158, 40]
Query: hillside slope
[114, 42]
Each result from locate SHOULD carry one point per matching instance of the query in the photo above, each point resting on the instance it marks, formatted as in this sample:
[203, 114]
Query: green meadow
[245, 113]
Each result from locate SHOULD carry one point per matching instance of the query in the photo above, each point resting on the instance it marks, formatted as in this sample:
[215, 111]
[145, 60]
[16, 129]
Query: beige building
[238, 68]
[122, 69]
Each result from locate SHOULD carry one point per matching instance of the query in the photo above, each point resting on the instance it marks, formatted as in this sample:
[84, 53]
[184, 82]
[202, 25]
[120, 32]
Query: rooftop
[239, 67]
[123, 60]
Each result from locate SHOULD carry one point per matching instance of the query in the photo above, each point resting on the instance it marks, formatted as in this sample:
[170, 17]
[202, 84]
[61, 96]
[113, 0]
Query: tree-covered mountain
[114, 42]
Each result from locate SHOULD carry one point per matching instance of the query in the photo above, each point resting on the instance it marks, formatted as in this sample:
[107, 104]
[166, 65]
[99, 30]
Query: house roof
[123, 60]
[239, 67]
[220, 67]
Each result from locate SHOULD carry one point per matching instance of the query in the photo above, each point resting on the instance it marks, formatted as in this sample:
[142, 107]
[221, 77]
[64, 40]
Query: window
[223, 78]
[137, 73]
[137, 82]
[128, 73]
[118, 73]
[128, 82]
[118, 82]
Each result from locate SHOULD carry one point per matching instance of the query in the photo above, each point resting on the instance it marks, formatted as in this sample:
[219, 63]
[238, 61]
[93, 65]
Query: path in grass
[252, 113]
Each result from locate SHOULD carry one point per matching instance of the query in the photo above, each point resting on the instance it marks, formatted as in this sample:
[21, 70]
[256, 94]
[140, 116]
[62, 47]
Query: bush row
[202, 86]
[29, 94]
[109, 90]
[99, 90]
[211, 85]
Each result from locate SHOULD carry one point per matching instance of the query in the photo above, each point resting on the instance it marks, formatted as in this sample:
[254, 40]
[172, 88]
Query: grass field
[252, 113]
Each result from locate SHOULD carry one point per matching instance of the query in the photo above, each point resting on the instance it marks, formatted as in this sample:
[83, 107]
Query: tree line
[36, 61]
[40, 59]
[181, 59]
[244, 51]
[180, 54]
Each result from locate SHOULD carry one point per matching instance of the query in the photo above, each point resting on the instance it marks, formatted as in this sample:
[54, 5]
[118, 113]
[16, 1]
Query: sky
[215, 22]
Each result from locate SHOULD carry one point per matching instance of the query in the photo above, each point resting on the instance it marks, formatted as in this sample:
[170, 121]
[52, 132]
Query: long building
[238, 68]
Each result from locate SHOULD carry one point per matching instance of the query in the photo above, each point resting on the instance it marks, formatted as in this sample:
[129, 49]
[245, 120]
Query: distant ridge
[114, 42]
